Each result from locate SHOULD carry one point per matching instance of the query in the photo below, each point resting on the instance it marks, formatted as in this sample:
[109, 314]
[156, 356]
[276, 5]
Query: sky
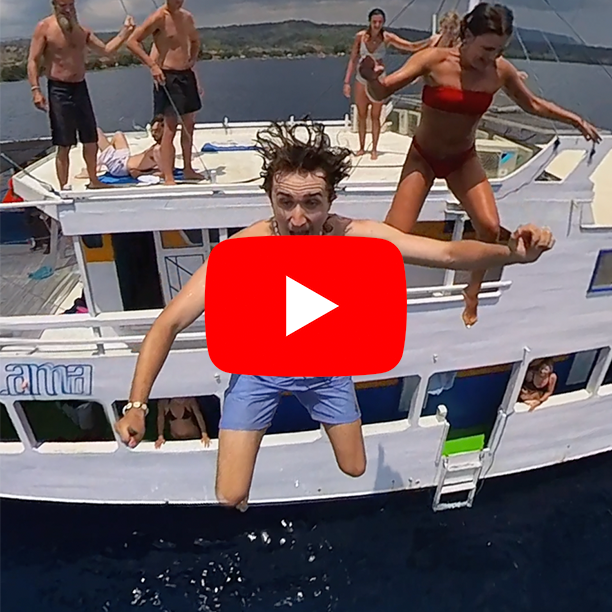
[592, 19]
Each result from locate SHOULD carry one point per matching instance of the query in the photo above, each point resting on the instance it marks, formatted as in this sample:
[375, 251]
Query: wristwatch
[141, 405]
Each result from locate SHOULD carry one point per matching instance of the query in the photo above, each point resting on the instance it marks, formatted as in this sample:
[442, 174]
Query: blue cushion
[109, 179]
[209, 147]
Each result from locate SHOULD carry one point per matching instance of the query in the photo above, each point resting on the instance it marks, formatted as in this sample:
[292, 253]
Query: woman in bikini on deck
[373, 43]
[460, 84]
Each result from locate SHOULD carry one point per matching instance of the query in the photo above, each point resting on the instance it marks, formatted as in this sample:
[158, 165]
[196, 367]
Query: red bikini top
[461, 101]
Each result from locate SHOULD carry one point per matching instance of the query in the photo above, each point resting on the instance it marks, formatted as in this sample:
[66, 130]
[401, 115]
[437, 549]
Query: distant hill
[528, 35]
[301, 38]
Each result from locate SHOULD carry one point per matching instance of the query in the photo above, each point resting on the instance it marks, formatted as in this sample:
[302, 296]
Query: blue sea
[532, 543]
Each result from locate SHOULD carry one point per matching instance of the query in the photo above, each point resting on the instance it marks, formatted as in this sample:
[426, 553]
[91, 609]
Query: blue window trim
[607, 289]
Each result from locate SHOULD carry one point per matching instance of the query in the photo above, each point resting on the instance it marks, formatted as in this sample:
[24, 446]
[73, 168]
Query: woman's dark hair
[283, 151]
[159, 118]
[488, 19]
[374, 13]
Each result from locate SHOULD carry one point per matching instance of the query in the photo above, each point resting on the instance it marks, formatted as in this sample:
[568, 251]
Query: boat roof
[227, 154]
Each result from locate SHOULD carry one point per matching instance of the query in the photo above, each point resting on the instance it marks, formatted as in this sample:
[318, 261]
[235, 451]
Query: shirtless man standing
[173, 56]
[60, 44]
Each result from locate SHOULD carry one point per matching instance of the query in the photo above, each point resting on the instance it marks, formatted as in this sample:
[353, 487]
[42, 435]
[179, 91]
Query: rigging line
[16, 166]
[395, 18]
[537, 80]
[199, 154]
[576, 33]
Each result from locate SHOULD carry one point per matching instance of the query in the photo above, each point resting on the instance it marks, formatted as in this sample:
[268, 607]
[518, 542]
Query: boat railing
[113, 330]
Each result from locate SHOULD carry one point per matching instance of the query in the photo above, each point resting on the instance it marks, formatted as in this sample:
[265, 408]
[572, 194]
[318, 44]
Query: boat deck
[21, 294]
[504, 129]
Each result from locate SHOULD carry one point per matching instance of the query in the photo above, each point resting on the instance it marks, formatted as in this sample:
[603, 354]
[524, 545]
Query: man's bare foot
[470, 312]
[374, 155]
[360, 153]
[192, 175]
[170, 181]
[96, 185]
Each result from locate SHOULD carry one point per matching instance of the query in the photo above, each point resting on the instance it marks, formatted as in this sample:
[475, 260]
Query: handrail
[94, 340]
[148, 317]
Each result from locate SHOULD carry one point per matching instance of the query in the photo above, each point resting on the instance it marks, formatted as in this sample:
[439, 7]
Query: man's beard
[67, 24]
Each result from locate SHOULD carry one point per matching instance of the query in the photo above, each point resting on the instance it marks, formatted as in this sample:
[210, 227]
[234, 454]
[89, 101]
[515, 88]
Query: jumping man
[300, 178]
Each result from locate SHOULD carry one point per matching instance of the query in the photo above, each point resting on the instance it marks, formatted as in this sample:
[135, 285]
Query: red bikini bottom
[443, 167]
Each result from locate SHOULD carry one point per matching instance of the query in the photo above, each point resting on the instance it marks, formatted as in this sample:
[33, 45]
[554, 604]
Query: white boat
[446, 418]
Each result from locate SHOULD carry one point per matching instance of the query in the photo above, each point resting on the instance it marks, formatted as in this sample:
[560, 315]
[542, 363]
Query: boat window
[602, 274]
[472, 398]
[418, 276]
[379, 402]
[608, 377]
[571, 373]
[181, 239]
[67, 420]
[233, 230]
[7, 429]
[183, 422]
[137, 271]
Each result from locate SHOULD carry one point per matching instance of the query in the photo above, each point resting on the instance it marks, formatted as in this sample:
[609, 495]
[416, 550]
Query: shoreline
[21, 69]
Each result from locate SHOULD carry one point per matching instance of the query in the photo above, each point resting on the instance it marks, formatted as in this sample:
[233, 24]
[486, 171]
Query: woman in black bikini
[185, 418]
[539, 383]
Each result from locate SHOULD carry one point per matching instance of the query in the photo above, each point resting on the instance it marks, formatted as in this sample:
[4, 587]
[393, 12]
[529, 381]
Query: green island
[290, 39]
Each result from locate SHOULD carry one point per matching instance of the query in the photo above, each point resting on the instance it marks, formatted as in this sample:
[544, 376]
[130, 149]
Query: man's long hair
[284, 150]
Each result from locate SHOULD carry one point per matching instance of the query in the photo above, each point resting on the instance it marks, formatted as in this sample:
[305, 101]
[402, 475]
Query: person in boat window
[115, 154]
[372, 42]
[185, 419]
[60, 43]
[300, 176]
[460, 84]
[539, 383]
[174, 55]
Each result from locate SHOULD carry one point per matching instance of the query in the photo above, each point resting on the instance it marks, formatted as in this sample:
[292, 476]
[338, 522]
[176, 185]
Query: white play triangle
[304, 306]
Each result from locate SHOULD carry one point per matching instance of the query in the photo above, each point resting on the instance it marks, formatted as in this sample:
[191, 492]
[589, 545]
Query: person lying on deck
[115, 156]
[300, 176]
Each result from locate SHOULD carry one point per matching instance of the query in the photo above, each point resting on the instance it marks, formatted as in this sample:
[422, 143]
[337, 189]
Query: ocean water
[255, 89]
[533, 542]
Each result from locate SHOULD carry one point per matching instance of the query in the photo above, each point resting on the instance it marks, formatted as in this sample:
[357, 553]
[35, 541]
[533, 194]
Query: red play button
[305, 306]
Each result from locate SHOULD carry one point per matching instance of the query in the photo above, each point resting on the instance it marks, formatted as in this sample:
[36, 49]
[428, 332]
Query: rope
[29, 175]
[174, 108]
[537, 80]
[575, 32]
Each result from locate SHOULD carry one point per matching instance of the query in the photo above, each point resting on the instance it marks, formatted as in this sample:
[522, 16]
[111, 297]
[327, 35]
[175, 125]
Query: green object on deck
[465, 444]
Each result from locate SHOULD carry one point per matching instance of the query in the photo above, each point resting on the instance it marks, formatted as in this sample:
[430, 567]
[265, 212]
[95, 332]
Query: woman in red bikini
[460, 83]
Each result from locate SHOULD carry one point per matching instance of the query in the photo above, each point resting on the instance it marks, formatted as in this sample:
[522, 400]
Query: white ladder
[458, 474]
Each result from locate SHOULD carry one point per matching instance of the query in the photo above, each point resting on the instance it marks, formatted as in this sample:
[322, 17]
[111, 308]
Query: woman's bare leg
[472, 188]
[414, 185]
[375, 113]
[363, 103]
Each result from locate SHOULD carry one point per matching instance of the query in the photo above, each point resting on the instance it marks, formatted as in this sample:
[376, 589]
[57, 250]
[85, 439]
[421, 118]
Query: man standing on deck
[172, 60]
[300, 178]
[60, 43]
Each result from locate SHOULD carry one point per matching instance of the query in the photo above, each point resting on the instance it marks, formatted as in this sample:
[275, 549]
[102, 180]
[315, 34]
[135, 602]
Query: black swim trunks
[71, 113]
[182, 87]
